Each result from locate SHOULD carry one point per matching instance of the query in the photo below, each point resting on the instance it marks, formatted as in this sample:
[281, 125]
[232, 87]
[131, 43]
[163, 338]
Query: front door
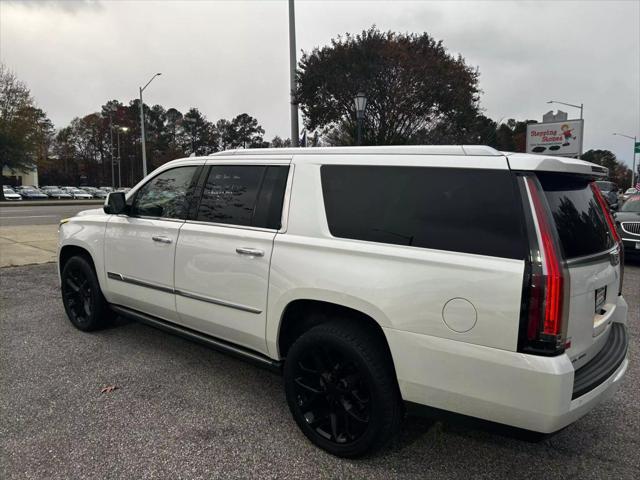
[140, 246]
[223, 254]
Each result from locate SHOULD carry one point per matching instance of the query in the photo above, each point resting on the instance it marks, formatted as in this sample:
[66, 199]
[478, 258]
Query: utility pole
[292, 75]
[113, 172]
[633, 158]
[144, 146]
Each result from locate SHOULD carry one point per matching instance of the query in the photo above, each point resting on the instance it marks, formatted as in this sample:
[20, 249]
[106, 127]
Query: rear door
[592, 258]
[224, 252]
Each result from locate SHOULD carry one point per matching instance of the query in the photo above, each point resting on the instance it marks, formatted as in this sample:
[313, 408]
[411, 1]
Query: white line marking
[34, 216]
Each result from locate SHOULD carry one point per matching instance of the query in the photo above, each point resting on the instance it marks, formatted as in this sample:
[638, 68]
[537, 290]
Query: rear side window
[245, 195]
[580, 222]
[464, 210]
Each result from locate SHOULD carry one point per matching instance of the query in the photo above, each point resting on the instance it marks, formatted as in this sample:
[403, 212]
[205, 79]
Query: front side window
[166, 195]
[245, 195]
[454, 209]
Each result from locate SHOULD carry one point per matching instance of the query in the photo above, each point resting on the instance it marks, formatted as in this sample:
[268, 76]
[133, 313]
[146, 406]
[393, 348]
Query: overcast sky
[227, 57]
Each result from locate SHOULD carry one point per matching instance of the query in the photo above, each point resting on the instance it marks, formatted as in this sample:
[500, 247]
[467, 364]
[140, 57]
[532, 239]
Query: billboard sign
[562, 139]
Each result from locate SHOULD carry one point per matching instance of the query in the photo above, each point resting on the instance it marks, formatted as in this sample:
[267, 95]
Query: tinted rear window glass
[246, 195]
[580, 222]
[464, 210]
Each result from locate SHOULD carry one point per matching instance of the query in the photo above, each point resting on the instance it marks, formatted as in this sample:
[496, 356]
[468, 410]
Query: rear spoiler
[530, 162]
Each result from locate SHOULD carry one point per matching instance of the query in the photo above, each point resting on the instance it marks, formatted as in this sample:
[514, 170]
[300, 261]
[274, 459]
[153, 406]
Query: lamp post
[633, 169]
[113, 174]
[581, 107]
[361, 104]
[295, 142]
[123, 129]
[144, 148]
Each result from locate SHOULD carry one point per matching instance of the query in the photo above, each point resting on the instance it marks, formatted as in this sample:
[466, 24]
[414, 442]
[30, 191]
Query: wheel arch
[302, 314]
[68, 251]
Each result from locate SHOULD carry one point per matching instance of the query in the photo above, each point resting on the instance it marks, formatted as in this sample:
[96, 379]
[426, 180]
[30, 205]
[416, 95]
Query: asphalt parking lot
[184, 411]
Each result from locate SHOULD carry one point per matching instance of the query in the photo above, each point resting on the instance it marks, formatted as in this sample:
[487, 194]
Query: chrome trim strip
[595, 257]
[230, 225]
[193, 296]
[630, 239]
[139, 283]
[215, 301]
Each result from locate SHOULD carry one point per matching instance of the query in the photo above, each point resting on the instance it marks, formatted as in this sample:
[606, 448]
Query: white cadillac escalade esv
[456, 277]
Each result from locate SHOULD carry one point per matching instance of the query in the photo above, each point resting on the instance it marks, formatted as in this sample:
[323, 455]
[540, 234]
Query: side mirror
[115, 203]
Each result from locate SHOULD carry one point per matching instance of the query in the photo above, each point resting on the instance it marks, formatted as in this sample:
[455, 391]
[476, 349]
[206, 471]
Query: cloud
[67, 6]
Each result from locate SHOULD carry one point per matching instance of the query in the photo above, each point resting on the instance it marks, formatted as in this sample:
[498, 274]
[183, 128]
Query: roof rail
[468, 150]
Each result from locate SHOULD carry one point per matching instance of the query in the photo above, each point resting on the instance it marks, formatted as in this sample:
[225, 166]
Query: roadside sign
[562, 139]
[637, 149]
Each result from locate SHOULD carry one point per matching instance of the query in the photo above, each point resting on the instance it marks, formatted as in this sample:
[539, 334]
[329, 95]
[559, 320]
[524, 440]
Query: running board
[215, 343]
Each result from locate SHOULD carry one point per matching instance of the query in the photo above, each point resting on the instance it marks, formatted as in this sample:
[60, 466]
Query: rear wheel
[83, 301]
[341, 389]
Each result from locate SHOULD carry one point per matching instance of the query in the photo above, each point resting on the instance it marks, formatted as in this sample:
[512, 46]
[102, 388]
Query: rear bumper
[524, 391]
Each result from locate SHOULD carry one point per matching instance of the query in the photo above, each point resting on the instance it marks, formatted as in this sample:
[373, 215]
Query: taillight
[612, 228]
[544, 294]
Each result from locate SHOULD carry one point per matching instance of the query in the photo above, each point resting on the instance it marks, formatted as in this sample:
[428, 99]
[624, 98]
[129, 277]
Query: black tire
[342, 390]
[83, 301]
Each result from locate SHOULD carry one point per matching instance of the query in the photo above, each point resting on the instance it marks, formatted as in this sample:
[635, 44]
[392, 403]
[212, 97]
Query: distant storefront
[18, 177]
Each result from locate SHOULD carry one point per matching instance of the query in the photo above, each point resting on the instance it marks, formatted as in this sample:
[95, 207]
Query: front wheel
[341, 389]
[83, 301]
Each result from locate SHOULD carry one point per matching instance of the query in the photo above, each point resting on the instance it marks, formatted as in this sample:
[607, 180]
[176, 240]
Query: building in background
[16, 178]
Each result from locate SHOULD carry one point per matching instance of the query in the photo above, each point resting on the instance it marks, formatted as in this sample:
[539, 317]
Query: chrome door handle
[161, 239]
[254, 252]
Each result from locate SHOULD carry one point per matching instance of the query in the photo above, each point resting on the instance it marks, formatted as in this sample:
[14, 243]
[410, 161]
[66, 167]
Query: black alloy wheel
[81, 295]
[332, 395]
[341, 388]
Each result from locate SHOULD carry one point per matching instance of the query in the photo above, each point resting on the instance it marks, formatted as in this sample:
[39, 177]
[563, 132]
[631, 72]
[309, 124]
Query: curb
[39, 203]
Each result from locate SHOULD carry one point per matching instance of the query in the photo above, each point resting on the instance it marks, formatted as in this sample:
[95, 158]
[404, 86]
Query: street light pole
[124, 129]
[633, 168]
[295, 142]
[144, 147]
[113, 174]
[361, 104]
[581, 107]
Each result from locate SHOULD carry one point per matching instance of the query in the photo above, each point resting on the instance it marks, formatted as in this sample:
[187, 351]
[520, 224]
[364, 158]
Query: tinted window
[244, 195]
[473, 211]
[268, 212]
[607, 186]
[165, 195]
[581, 225]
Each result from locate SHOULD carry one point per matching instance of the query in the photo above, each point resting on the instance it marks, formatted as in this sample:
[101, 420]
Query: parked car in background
[32, 193]
[95, 192]
[629, 192]
[106, 189]
[362, 281]
[628, 222]
[10, 194]
[57, 194]
[79, 194]
[610, 192]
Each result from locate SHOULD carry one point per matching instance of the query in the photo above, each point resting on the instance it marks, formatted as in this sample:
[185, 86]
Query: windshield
[632, 205]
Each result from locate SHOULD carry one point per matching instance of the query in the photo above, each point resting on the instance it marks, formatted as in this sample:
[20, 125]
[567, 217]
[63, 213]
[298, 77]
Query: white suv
[455, 277]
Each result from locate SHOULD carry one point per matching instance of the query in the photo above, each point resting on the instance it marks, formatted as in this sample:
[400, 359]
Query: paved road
[39, 215]
[184, 411]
